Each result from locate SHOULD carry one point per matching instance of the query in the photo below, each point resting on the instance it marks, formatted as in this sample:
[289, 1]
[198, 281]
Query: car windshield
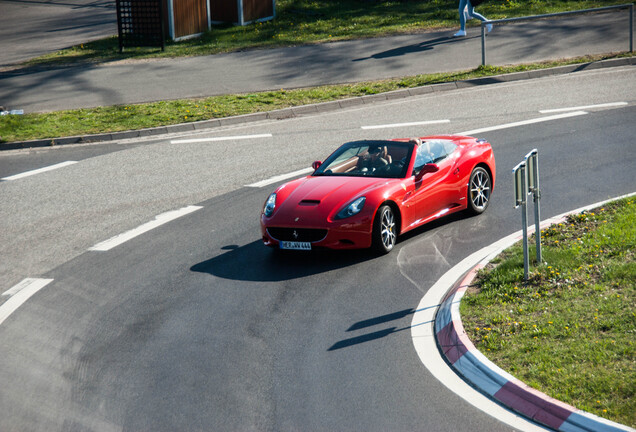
[382, 159]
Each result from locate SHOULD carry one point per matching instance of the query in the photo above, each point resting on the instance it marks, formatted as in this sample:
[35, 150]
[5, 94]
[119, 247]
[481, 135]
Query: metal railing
[629, 7]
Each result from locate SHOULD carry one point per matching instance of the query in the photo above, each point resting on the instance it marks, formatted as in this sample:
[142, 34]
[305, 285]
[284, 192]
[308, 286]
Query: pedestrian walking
[466, 12]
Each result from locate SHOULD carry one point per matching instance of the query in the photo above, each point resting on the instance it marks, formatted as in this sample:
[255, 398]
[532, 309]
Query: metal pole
[536, 193]
[483, 44]
[524, 222]
[631, 27]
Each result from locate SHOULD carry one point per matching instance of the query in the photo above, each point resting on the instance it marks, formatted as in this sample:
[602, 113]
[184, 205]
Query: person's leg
[462, 13]
[462, 18]
[473, 14]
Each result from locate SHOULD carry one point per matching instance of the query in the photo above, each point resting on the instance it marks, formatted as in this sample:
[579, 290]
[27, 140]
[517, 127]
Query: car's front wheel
[479, 189]
[384, 230]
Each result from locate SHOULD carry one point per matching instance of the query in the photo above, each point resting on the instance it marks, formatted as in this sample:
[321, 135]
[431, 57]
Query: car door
[434, 191]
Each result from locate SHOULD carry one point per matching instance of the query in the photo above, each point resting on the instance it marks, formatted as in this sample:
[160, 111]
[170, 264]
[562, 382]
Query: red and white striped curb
[466, 360]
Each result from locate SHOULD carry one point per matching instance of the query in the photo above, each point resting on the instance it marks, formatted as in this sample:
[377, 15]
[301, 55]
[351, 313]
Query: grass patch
[570, 330]
[138, 116]
[300, 22]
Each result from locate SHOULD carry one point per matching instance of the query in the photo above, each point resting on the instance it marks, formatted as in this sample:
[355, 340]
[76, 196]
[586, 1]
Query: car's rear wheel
[384, 230]
[479, 189]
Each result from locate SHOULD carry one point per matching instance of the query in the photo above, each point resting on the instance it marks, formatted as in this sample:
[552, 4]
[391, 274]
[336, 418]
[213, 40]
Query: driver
[373, 159]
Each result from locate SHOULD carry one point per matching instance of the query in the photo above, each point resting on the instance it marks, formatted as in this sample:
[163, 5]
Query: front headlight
[270, 205]
[351, 209]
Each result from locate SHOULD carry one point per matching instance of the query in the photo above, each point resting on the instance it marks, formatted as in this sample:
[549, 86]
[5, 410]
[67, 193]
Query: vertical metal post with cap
[521, 197]
[532, 167]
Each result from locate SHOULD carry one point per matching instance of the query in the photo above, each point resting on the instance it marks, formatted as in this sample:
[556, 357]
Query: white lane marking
[19, 294]
[280, 177]
[396, 125]
[523, 123]
[38, 171]
[471, 132]
[605, 105]
[227, 138]
[128, 235]
[424, 341]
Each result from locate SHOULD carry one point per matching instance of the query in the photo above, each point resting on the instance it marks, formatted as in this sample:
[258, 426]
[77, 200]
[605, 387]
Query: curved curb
[298, 111]
[489, 379]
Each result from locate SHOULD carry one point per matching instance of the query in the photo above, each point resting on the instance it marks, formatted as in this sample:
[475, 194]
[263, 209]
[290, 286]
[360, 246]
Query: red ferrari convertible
[369, 192]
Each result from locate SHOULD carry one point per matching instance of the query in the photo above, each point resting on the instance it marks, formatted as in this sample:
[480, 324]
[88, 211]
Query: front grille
[297, 234]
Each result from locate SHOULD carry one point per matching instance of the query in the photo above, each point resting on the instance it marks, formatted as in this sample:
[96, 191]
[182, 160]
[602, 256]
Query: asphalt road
[196, 326]
[31, 28]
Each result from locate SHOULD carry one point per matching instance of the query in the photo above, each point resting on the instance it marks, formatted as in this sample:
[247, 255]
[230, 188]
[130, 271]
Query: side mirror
[426, 169]
[316, 165]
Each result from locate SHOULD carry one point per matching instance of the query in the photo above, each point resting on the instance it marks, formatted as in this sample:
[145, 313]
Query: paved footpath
[38, 90]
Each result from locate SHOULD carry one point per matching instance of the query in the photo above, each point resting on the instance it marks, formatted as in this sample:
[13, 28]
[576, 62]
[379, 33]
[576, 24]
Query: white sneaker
[460, 33]
[488, 28]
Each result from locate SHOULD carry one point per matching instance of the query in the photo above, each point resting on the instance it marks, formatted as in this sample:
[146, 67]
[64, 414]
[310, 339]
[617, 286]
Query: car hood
[328, 194]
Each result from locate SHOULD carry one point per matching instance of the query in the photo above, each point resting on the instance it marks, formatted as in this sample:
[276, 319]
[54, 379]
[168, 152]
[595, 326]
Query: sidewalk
[128, 82]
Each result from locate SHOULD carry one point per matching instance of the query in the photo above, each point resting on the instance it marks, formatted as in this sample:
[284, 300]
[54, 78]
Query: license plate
[295, 245]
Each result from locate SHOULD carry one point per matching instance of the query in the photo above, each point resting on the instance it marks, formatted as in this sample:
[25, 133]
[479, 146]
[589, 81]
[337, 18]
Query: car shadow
[257, 263]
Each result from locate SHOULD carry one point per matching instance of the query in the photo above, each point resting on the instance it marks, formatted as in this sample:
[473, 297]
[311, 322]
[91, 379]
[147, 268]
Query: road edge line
[439, 308]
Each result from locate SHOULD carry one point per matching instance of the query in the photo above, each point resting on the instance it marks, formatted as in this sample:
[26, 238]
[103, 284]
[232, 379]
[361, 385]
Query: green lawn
[570, 330]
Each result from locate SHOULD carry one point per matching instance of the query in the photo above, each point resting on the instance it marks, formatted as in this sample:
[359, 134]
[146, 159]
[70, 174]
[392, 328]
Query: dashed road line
[523, 123]
[281, 177]
[128, 235]
[225, 138]
[38, 171]
[19, 294]
[397, 125]
[586, 107]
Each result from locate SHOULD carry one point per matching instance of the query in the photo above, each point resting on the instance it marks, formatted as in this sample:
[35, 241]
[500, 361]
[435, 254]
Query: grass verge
[569, 331]
[138, 116]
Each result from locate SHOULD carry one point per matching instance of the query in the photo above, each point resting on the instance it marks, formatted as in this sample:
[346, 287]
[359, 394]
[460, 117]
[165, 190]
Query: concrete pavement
[36, 27]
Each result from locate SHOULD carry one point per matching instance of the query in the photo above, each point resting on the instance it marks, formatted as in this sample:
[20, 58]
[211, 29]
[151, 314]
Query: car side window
[422, 157]
[450, 147]
[432, 152]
